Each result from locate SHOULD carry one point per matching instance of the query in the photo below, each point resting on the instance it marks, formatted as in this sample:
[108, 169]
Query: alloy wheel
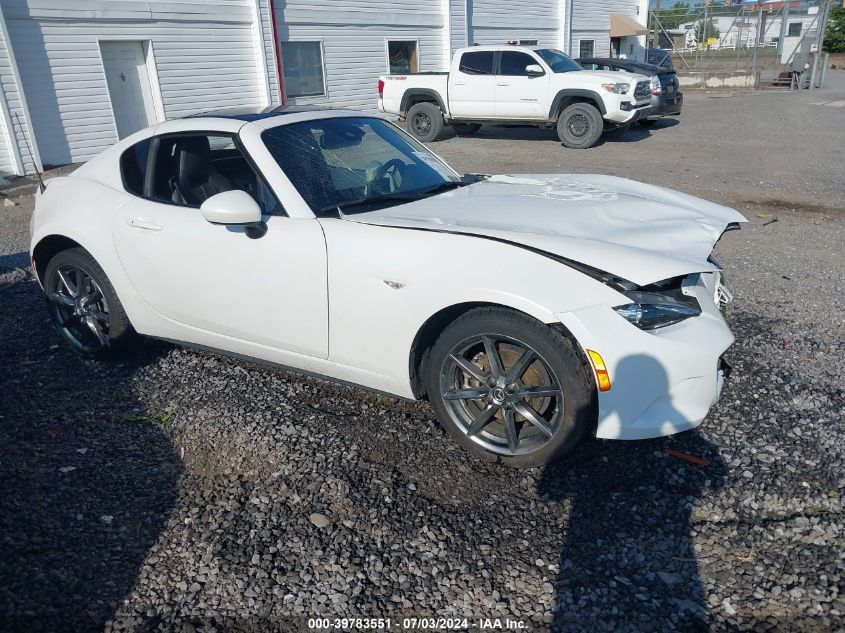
[502, 394]
[79, 308]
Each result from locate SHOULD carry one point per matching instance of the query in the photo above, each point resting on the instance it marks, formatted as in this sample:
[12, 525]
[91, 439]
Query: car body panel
[380, 303]
[638, 232]
[662, 381]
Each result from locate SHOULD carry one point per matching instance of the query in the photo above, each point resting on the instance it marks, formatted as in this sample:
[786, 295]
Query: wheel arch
[48, 247]
[414, 96]
[569, 96]
[435, 324]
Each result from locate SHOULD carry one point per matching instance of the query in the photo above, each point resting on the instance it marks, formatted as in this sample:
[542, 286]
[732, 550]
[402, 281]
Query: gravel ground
[178, 491]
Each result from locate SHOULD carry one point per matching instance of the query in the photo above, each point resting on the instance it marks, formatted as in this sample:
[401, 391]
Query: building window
[302, 65]
[794, 29]
[529, 42]
[402, 58]
[586, 47]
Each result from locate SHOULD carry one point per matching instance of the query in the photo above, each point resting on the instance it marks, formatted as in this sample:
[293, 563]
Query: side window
[513, 63]
[133, 167]
[189, 169]
[477, 63]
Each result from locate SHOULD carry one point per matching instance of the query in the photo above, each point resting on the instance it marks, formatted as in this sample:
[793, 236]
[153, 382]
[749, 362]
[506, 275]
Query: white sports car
[529, 310]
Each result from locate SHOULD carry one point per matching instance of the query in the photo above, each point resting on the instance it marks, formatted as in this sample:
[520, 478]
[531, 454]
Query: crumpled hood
[639, 232]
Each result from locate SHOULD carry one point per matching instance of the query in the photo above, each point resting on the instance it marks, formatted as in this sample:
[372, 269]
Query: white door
[518, 94]
[270, 290]
[129, 85]
[472, 88]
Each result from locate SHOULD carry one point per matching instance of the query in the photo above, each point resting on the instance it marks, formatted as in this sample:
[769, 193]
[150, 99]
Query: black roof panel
[254, 114]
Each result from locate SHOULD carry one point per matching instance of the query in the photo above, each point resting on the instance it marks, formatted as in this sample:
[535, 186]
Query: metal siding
[269, 51]
[201, 66]
[354, 54]
[458, 16]
[494, 22]
[19, 132]
[590, 19]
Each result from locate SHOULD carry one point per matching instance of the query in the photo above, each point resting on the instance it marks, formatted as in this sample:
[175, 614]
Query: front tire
[425, 122]
[580, 126]
[84, 307]
[510, 389]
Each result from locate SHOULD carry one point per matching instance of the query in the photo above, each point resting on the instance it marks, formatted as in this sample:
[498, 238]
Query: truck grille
[642, 91]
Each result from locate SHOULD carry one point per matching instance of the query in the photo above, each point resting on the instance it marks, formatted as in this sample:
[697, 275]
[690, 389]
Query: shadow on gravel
[627, 561]
[88, 481]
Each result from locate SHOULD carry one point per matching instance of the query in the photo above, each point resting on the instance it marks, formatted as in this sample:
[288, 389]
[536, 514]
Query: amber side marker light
[602, 377]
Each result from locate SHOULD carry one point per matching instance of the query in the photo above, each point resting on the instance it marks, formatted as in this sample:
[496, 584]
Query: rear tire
[84, 306]
[481, 403]
[425, 122]
[465, 129]
[580, 126]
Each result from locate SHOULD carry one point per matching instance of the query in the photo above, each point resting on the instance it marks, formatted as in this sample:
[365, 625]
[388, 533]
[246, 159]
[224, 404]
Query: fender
[421, 92]
[575, 92]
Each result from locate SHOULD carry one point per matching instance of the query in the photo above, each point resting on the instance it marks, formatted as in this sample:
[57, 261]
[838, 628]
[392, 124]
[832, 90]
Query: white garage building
[76, 75]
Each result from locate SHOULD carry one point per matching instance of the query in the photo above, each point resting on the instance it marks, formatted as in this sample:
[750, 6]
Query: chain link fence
[739, 45]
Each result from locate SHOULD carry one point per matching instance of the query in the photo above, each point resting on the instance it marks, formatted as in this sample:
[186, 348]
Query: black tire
[580, 126]
[115, 333]
[567, 416]
[647, 122]
[465, 129]
[424, 121]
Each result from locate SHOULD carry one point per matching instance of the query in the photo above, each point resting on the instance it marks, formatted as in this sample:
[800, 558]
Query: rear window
[477, 63]
[133, 167]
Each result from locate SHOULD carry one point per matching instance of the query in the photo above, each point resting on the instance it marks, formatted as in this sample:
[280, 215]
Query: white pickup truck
[516, 84]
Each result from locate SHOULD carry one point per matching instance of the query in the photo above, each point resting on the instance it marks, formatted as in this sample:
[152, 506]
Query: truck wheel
[465, 129]
[579, 126]
[425, 122]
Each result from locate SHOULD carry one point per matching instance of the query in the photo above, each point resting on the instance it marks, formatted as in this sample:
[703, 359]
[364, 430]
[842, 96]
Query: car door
[226, 280]
[472, 87]
[520, 95]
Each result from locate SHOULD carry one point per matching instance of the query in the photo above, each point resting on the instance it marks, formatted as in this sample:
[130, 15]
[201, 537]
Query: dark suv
[666, 96]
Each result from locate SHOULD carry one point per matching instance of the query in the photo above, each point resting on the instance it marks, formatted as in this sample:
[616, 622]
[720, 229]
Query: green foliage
[834, 37]
[674, 16]
[704, 30]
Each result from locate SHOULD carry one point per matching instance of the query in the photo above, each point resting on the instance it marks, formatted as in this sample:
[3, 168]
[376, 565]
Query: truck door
[472, 86]
[520, 94]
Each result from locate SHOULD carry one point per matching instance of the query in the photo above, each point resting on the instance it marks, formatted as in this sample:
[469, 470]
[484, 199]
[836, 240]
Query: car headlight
[650, 316]
[619, 89]
[650, 310]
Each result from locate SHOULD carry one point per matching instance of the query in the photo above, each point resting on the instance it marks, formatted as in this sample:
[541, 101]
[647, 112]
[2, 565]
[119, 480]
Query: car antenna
[41, 185]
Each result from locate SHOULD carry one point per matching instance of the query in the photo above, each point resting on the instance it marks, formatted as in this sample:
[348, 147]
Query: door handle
[503, 84]
[138, 223]
[460, 83]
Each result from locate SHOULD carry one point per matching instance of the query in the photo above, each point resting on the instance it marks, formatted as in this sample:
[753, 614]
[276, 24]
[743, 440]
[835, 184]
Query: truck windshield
[557, 61]
[360, 162]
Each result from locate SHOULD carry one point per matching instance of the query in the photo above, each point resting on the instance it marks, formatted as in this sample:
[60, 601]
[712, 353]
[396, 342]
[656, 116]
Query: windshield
[355, 161]
[557, 61]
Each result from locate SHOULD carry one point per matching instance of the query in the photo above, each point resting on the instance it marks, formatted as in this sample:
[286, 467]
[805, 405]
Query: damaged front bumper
[663, 381]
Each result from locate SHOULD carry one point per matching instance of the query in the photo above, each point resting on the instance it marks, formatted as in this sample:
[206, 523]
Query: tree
[834, 37]
[672, 17]
[705, 29]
